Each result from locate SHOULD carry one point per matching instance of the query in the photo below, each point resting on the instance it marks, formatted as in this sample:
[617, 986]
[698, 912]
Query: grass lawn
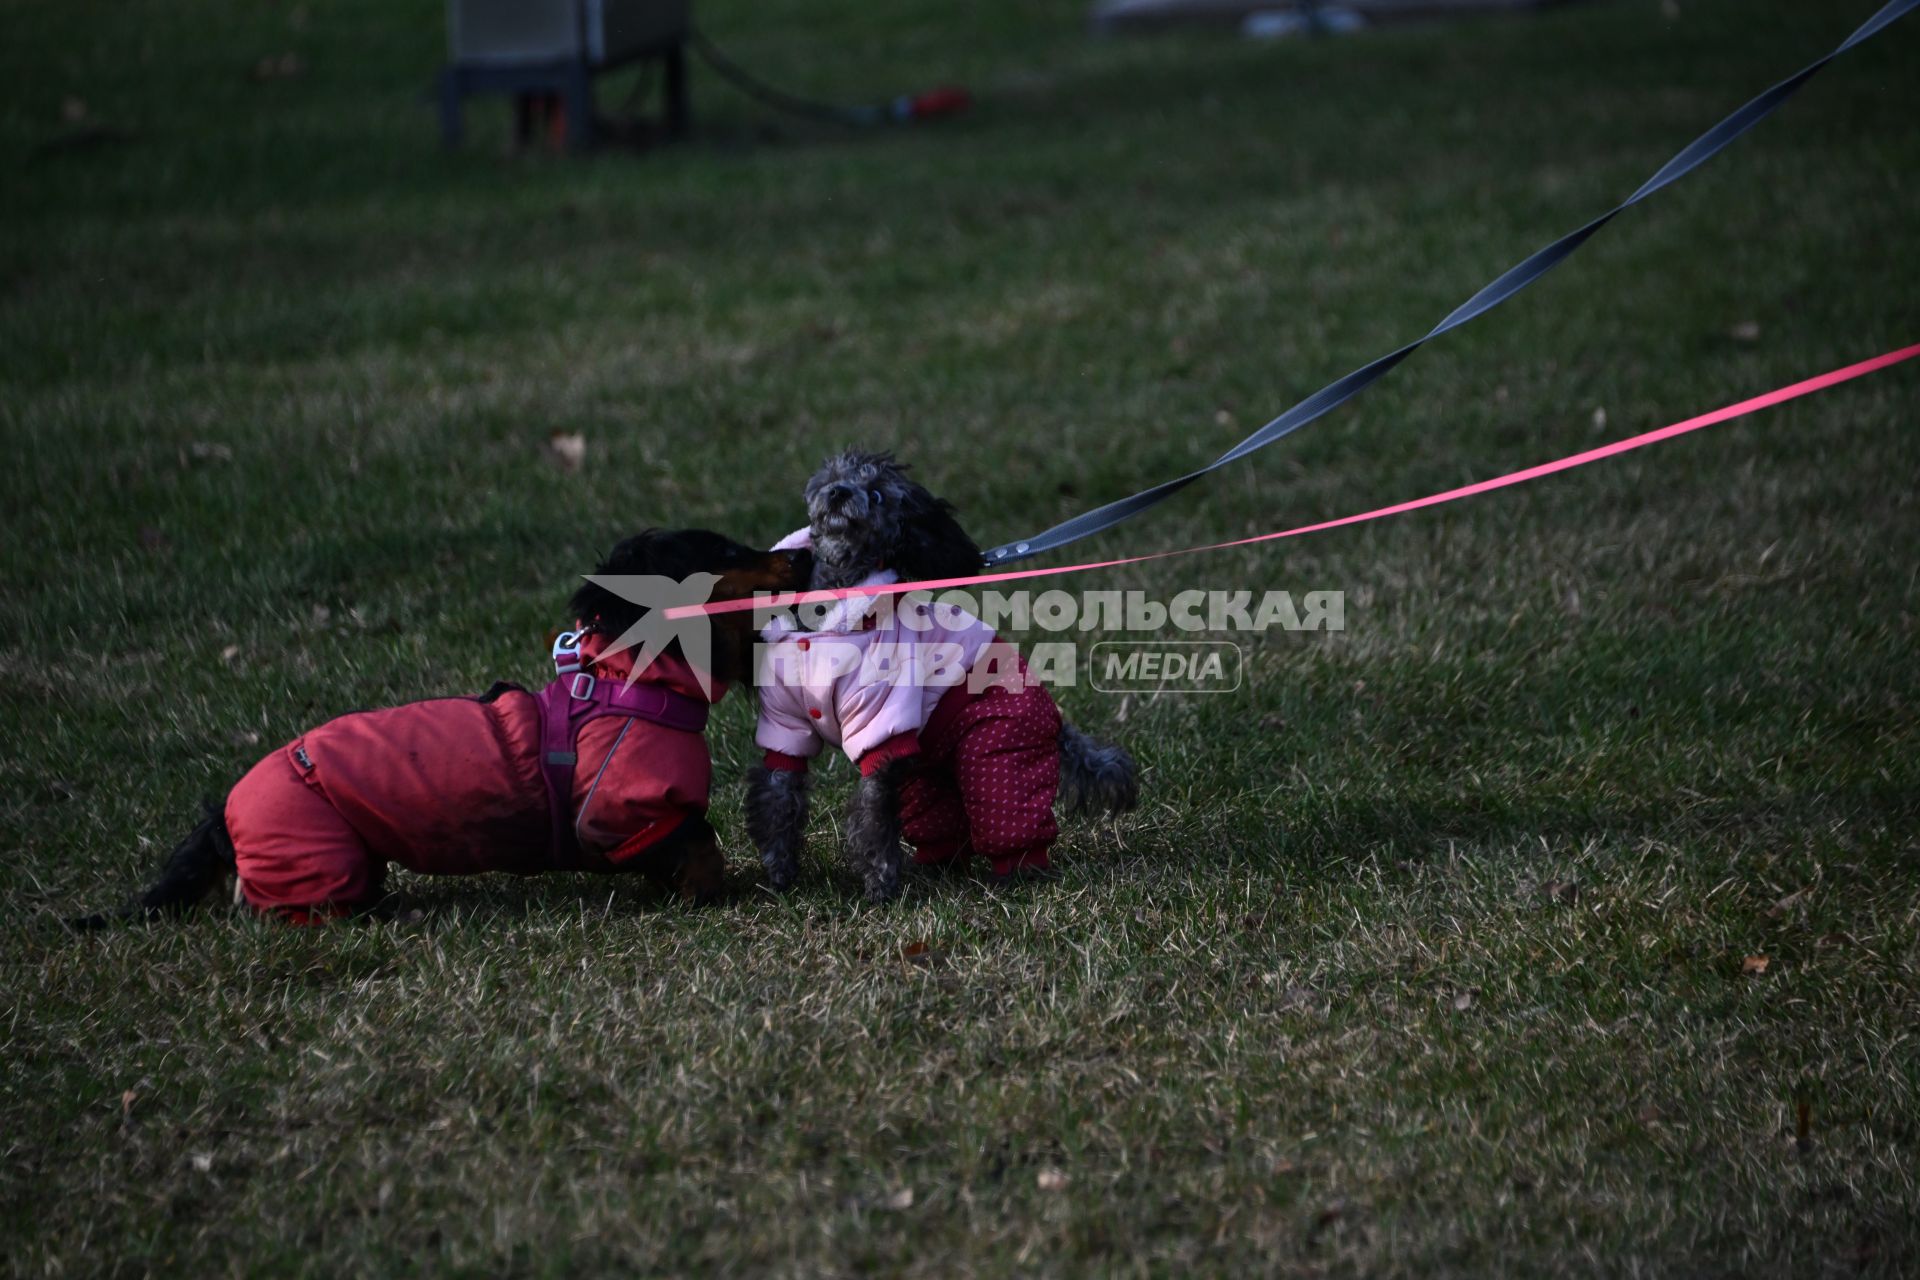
[1427, 950]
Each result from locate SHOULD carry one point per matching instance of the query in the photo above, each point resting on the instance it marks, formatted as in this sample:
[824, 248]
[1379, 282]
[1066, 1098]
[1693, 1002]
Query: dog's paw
[883, 881]
[781, 871]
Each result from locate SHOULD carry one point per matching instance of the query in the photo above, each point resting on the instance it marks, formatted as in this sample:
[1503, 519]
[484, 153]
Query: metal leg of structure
[679, 114]
[538, 87]
[451, 123]
[523, 118]
[578, 93]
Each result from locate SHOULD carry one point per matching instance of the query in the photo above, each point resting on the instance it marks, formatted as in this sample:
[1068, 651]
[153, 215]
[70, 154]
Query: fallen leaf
[82, 137]
[919, 953]
[1284, 1166]
[1648, 1114]
[203, 1161]
[1754, 966]
[230, 654]
[127, 1100]
[1463, 1001]
[1788, 903]
[210, 451]
[1051, 1180]
[1561, 891]
[1746, 331]
[153, 539]
[1835, 940]
[568, 449]
[279, 67]
[901, 1199]
[1599, 419]
[244, 737]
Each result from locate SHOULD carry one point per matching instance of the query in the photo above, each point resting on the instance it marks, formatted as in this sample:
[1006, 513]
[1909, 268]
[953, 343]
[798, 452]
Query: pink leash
[1793, 391]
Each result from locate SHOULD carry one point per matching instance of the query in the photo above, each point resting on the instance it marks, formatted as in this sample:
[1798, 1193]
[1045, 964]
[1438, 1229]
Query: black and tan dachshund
[605, 770]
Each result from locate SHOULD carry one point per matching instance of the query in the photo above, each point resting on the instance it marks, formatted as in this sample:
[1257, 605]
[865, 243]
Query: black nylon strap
[1510, 282]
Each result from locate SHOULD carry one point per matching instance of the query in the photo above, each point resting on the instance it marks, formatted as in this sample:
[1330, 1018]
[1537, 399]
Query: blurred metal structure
[1146, 15]
[548, 51]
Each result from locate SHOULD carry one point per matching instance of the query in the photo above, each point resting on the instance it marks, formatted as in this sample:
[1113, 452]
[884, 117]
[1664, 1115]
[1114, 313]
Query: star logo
[655, 631]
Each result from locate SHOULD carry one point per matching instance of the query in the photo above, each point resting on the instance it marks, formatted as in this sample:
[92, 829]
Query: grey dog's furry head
[865, 514]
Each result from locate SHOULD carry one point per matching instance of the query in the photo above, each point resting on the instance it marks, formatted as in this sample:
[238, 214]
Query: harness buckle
[566, 653]
[575, 691]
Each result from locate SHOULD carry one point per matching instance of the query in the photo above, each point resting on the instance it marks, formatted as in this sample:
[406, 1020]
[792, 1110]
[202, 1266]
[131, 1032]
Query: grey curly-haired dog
[966, 763]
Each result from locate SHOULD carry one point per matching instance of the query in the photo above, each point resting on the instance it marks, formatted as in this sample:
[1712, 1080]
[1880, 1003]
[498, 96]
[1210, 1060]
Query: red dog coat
[455, 786]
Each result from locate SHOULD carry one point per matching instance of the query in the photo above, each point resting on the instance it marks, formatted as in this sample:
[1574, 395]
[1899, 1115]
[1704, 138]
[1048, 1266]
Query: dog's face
[679, 554]
[862, 499]
[864, 514]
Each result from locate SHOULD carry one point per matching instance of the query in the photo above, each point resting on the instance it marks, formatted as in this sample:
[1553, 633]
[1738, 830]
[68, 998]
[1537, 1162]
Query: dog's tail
[195, 868]
[1096, 775]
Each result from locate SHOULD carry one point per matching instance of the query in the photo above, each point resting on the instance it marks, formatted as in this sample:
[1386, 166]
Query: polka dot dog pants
[985, 780]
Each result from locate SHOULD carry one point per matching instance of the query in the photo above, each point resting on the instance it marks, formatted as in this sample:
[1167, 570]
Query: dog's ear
[932, 543]
[602, 610]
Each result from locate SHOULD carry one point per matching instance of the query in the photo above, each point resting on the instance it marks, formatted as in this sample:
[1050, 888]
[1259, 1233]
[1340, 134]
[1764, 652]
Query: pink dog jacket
[936, 683]
[856, 681]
